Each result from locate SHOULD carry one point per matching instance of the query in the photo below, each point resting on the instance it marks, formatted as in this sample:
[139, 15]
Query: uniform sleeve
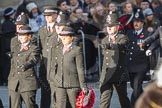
[153, 37]
[34, 57]
[80, 67]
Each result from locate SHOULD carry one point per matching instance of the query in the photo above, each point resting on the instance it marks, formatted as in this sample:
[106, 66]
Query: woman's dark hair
[31, 15]
[59, 2]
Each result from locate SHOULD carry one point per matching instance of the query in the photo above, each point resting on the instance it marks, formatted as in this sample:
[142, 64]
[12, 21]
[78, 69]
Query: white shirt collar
[50, 24]
[138, 31]
[25, 44]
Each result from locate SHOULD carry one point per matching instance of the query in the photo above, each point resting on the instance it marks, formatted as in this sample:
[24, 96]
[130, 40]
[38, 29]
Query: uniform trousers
[1, 105]
[29, 98]
[136, 80]
[106, 94]
[65, 94]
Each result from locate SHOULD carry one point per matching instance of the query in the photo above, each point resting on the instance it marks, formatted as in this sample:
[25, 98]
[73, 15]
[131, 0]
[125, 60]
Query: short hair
[59, 2]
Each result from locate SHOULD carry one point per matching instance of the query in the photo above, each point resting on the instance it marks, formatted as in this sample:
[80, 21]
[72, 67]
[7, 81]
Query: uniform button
[131, 53]
[17, 66]
[31, 75]
[55, 57]
[132, 48]
[18, 55]
[106, 52]
[17, 60]
[107, 63]
[56, 46]
[106, 57]
[47, 43]
[120, 66]
[130, 58]
[18, 72]
[133, 42]
[47, 50]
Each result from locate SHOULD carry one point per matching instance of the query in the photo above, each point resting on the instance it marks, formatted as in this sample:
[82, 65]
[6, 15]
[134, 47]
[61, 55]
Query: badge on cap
[137, 13]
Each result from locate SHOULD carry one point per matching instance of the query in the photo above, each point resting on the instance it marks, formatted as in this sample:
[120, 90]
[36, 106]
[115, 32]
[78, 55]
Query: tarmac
[114, 101]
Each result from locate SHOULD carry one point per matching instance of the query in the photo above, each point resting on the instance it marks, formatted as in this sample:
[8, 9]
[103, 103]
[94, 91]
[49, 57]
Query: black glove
[85, 90]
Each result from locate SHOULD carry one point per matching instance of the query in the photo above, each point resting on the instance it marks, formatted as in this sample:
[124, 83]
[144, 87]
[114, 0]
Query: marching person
[69, 71]
[54, 43]
[45, 34]
[152, 95]
[114, 72]
[22, 82]
[137, 61]
[1, 105]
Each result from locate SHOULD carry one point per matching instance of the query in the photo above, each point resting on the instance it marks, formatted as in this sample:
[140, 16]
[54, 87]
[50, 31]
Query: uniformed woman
[69, 70]
[22, 83]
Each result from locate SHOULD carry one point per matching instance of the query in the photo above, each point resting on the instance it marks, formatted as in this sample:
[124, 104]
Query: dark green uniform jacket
[24, 77]
[69, 71]
[113, 69]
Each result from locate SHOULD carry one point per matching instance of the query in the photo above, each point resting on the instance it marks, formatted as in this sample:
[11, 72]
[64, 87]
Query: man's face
[23, 38]
[79, 13]
[59, 29]
[51, 18]
[73, 2]
[138, 25]
[66, 40]
[111, 30]
[144, 5]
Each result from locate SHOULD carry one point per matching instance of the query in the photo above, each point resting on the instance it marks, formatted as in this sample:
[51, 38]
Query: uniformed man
[45, 34]
[114, 73]
[22, 82]
[69, 70]
[137, 61]
[152, 95]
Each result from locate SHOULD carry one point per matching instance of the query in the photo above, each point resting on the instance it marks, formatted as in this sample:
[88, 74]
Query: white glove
[148, 52]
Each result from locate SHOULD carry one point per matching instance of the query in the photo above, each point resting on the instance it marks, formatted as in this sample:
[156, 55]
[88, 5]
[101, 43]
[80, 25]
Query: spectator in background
[8, 31]
[36, 19]
[78, 16]
[22, 8]
[93, 5]
[112, 6]
[154, 4]
[144, 5]
[127, 8]
[62, 5]
[151, 23]
[86, 6]
[75, 4]
[99, 16]
[158, 13]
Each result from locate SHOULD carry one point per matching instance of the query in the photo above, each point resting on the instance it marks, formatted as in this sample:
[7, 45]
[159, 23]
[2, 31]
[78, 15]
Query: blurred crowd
[90, 16]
